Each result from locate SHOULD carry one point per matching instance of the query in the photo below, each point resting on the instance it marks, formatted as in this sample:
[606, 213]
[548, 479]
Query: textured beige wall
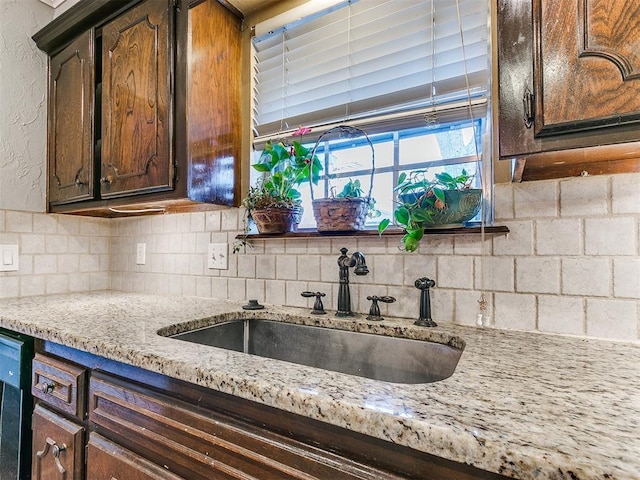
[23, 103]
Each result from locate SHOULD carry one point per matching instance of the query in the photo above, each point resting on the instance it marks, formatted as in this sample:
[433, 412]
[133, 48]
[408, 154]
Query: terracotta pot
[273, 220]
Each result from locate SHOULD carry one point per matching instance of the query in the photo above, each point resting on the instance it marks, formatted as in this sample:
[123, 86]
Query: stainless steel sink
[391, 359]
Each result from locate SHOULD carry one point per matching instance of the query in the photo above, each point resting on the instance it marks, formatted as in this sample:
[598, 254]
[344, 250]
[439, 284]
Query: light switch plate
[141, 253]
[218, 256]
[9, 258]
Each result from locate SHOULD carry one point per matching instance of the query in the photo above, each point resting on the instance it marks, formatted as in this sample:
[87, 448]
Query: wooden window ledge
[474, 229]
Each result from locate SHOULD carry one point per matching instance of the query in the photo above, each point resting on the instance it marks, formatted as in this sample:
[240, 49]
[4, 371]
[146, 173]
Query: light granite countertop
[526, 405]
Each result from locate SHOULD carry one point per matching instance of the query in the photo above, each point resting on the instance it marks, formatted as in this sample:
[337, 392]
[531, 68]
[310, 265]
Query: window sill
[474, 229]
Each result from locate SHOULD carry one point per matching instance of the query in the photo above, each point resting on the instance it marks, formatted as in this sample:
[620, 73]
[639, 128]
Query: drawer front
[59, 385]
[58, 446]
[108, 461]
[201, 444]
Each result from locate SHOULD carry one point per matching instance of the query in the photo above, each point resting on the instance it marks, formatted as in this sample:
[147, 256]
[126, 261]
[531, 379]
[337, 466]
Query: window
[413, 74]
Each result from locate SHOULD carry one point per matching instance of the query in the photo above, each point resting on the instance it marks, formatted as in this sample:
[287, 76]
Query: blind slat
[372, 56]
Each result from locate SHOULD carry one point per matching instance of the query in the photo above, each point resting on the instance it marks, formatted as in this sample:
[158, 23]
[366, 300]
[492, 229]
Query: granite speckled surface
[525, 405]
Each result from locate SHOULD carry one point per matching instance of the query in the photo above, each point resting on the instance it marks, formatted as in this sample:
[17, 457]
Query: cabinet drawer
[59, 385]
[108, 461]
[57, 447]
[201, 444]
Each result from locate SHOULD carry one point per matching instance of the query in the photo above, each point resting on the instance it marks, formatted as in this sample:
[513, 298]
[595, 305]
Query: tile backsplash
[570, 264]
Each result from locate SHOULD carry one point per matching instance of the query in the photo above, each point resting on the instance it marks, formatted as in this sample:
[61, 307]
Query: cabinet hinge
[529, 107]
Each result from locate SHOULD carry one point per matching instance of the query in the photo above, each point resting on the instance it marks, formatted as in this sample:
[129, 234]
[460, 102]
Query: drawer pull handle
[47, 387]
[56, 452]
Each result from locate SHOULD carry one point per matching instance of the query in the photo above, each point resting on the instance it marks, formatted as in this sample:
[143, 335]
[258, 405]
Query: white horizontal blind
[368, 58]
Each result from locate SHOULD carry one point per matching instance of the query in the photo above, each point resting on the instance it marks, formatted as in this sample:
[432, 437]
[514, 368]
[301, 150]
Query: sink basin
[391, 359]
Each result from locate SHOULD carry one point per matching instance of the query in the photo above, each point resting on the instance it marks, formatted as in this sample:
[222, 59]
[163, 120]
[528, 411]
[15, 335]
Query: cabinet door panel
[57, 447]
[136, 102]
[108, 461]
[588, 66]
[212, 108]
[70, 136]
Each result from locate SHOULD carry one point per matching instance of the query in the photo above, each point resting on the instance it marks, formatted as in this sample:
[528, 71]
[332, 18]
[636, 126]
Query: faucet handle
[318, 308]
[374, 311]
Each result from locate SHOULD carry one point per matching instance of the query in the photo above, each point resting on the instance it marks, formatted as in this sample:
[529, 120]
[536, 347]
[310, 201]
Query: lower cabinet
[108, 461]
[58, 446]
[139, 425]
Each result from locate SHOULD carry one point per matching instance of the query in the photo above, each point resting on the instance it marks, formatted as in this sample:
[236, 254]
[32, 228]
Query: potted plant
[274, 202]
[347, 211]
[443, 202]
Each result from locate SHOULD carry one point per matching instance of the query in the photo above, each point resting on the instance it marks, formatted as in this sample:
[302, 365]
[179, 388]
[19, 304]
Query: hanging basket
[342, 214]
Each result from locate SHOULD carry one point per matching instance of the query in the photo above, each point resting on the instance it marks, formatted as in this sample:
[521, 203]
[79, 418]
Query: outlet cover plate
[218, 256]
[141, 253]
[9, 258]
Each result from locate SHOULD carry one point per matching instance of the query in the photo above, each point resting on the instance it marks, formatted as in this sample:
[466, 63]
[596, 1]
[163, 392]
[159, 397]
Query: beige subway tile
[229, 220]
[467, 307]
[43, 223]
[202, 243]
[430, 244]
[196, 264]
[232, 271]
[255, 290]
[308, 268]
[373, 245]
[9, 286]
[536, 199]
[296, 246]
[203, 286]
[611, 236]
[212, 220]
[584, 196]
[68, 225]
[286, 267]
[82, 244]
[561, 314]
[559, 237]
[329, 271]
[88, 263]
[626, 277]
[275, 292]
[26, 264]
[495, 273]
[68, 263]
[503, 201]
[586, 276]
[455, 272]
[471, 245]
[246, 266]
[442, 304]
[266, 266]
[519, 240]
[56, 284]
[170, 223]
[56, 244]
[188, 243]
[31, 285]
[537, 275]
[188, 285]
[625, 196]
[293, 297]
[514, 311]
[79, 282]
[2, 222]
[274, 246]
[99, 245]
[615, 319]
[418, 266]
[31, 243]
[407, 302]
[18, 222]
[385, 269]
[44, 264]
[102, 281]
[183, 222]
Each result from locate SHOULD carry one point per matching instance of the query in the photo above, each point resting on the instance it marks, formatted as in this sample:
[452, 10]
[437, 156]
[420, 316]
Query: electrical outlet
[218, 256]
[141, 253]
[8, 258]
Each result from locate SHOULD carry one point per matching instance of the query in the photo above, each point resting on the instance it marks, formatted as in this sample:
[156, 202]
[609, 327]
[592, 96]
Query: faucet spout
[345, 262]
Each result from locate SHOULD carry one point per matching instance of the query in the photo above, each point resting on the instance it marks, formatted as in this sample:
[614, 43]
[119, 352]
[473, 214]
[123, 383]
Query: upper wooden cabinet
[136, 99]
[569, 77]
[144, 106]
[70, 125]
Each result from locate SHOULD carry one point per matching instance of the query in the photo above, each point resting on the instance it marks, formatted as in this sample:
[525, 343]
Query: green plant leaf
[382, 226]
[402, 216]
[262, 167]
[439, 194]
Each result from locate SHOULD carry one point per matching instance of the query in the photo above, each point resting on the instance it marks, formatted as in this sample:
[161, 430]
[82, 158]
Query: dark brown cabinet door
[212, 110]
[57, 447]
[108, 461]
[136, 101]
[569, 75]
[70, 126]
